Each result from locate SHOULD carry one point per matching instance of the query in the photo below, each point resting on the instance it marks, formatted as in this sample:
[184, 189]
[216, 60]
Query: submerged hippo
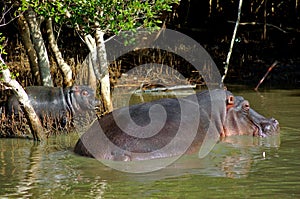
[56, 102]
[187, 123]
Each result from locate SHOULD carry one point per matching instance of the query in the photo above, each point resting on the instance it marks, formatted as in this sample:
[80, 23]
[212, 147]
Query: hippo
[56, 102]
[187, 123]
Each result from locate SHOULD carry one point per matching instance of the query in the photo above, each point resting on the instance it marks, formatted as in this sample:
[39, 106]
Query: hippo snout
[269, 127]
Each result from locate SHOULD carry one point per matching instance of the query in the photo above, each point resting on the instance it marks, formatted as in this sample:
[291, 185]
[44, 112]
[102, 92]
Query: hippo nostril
[274, 122]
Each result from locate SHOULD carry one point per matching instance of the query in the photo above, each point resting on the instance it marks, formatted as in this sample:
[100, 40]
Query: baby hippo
[55, 102]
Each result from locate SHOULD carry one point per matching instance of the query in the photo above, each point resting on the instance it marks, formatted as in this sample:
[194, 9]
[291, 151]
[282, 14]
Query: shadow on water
[235, 167]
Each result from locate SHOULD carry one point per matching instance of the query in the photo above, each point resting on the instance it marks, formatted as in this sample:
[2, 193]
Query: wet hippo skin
[56, 102]
[188, 121]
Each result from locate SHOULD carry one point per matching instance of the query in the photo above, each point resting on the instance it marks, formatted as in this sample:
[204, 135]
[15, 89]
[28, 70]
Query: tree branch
[258, 23]
[262, 79]
[11, 20]
[104, 80]
[232, 40]
[34, 122]
[66, 69]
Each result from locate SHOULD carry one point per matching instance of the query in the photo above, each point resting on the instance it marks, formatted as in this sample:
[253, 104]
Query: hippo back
[45, 100]
[115, 143]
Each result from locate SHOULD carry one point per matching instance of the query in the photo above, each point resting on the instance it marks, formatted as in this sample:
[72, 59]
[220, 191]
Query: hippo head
[80, 98]
[243, 120]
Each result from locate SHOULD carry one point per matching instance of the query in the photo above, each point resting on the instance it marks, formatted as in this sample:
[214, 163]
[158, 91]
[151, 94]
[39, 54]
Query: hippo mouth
[94, 104]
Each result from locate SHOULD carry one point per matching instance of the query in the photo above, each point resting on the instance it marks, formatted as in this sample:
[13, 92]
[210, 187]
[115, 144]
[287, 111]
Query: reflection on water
[237, 166]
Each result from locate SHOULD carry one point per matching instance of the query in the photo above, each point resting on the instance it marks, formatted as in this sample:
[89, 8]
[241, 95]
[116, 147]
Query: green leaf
[112, 15]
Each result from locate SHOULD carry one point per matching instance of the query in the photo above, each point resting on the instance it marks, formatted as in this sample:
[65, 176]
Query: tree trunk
[104, 79]
[66, 69]
[92, 80]
[265, 20]
[34, 121]
[297, 2]
[33, 60]
[232, 40]
[91, 62]
[39, 47]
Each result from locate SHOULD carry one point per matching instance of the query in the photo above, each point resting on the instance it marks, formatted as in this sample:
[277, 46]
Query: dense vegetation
[268, 31]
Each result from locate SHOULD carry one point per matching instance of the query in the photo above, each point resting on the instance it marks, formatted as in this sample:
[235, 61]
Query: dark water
[238, 167]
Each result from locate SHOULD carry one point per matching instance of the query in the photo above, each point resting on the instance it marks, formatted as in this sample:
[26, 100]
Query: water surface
[238, 167]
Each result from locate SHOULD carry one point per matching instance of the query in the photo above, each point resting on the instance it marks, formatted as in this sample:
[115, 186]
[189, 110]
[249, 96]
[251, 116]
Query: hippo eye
[246, 106]
[85, 93]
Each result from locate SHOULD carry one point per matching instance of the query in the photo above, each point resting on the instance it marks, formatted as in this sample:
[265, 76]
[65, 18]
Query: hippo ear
[230, 100]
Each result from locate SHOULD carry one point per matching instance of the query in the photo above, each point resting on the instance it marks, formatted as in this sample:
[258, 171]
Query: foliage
[2, 38]
[2, 52]
[111, 15]
[3, 66]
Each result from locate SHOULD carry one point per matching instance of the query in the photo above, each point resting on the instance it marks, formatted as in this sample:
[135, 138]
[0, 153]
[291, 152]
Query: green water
[239, 167]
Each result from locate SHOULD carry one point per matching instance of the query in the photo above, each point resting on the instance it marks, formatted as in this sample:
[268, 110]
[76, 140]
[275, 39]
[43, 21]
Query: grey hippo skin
[216, 114]
[56, 102]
